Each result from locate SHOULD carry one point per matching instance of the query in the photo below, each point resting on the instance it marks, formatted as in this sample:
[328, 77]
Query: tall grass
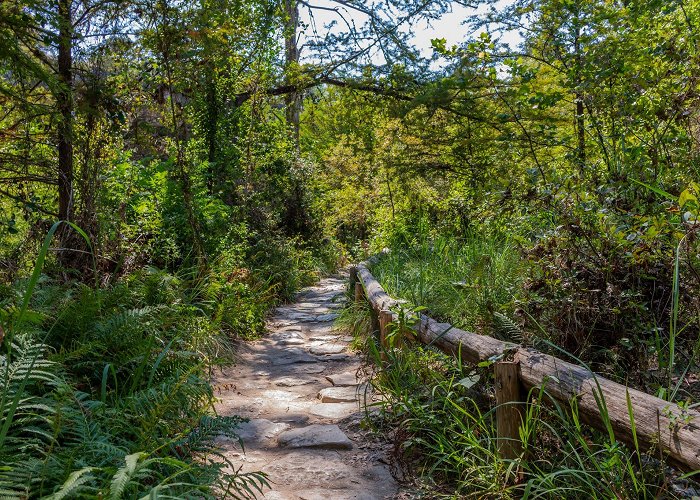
[465, 282]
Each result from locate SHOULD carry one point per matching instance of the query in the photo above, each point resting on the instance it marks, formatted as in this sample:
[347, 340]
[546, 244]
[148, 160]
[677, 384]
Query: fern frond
[506, 329]
[75, 485]
[124, 475]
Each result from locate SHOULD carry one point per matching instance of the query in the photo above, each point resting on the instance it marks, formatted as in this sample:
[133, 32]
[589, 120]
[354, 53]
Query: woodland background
[209, 166]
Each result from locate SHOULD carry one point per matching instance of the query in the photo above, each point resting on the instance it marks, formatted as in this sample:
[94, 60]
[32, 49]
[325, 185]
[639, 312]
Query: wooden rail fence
[657, 423]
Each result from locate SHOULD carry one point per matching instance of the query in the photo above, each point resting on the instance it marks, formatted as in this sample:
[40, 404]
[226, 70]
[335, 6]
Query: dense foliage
[210, 157]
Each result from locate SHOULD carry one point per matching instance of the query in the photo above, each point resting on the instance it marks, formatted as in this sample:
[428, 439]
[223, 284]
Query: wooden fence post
[359, 292]
[509, 409]
[385, 317]
[353, 276]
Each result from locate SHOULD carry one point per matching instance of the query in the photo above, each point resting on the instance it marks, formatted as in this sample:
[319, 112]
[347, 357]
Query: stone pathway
[298, 385]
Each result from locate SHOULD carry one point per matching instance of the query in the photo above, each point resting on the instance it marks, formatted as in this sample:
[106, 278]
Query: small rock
[316, 436]
[323, 338]
[289, 328]
[310, 369]
[293, 358]
[258, 430]
[291, 342]
[287, 334]
[300, 316]
[334, 411]
[327, 317]
[336, 357]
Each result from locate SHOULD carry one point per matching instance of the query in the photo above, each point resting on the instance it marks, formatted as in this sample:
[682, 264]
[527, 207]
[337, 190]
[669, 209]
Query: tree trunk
[578, 94]
[214, 176]
[292, 101]
[64, 103]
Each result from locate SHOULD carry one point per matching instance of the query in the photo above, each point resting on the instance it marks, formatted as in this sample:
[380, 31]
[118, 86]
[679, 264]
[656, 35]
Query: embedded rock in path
[340, 394]
[336, 357]
[292, 341]
[293, 381]
[343, 379]
[286, 335]
[329, 437]
[259, 430]
[327, 317]
[324, 338]
[324, 349]
[304, 369]
[334, 411]
[299, 316]
[285, 329]
[292, 358]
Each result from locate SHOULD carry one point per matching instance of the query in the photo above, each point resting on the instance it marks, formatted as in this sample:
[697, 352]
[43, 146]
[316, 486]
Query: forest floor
[305, 396]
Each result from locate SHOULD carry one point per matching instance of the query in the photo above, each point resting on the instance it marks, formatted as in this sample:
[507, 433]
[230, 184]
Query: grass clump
[464, 281]
[442, 416]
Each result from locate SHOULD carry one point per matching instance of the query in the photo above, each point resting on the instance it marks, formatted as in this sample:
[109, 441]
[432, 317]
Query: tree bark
[580, 119]
[64, 103]
[292, 100]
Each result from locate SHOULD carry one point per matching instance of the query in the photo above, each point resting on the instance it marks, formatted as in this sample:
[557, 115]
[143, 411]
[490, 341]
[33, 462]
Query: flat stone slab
[329, 437]
[293, 382]
[285, 329]
[334, 411]
[346, 379]
[309, 369]
[259, 430]
[283, 324]
[324, 338]
[324, 349]
[340, 394]
[292, 358]
[299, 316]
[336, 357]
[291, 341]
[327, 317]
[287, 334]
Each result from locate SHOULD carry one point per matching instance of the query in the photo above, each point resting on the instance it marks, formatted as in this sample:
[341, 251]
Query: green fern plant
[506, 329]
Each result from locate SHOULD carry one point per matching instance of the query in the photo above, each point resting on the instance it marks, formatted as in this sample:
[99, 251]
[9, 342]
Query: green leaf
[685, 197]
[469, 381]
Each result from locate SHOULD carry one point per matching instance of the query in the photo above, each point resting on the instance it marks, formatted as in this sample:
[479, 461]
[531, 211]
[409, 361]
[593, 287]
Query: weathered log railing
[673, 430]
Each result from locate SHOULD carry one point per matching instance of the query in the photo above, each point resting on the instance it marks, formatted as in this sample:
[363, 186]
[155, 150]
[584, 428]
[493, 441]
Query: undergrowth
[466, 282]
[441, 414]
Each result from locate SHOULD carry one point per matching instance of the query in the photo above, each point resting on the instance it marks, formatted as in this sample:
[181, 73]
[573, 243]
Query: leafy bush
[105, 392]
[600, 285]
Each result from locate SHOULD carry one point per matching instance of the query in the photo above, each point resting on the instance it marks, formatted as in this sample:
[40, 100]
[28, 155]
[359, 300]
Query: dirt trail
[299, 388]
